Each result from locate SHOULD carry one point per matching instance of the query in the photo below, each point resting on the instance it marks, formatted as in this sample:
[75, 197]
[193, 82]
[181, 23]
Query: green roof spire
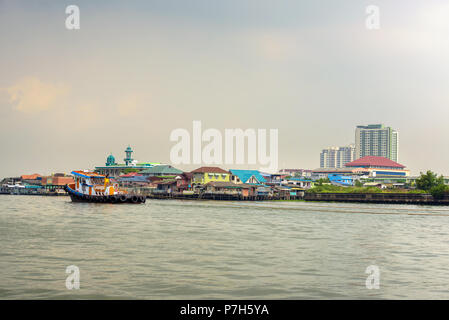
[128, 158]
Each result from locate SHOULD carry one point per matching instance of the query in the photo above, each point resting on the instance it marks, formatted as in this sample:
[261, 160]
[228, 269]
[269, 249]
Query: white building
[337, 157]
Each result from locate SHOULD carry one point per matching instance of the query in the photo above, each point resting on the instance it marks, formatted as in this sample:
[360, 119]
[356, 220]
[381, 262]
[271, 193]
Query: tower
[128, 160]
[376, 140]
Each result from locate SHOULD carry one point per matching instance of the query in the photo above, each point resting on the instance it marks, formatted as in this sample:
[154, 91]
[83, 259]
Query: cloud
[129, 105]
[31, 95]
[278, 46]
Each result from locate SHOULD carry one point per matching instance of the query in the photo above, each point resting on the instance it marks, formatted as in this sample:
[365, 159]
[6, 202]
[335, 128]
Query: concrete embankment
[385, 198]
[221, 196]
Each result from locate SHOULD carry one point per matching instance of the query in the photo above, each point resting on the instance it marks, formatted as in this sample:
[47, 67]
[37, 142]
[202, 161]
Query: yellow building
[204, 175]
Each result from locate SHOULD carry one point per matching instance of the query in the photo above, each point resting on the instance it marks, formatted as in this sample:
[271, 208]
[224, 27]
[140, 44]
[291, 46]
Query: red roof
[30, 176]
[209, 170]
[131, 174]
[373, 161]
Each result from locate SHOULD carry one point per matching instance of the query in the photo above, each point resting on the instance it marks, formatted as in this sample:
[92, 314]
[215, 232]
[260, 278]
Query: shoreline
[370, 198]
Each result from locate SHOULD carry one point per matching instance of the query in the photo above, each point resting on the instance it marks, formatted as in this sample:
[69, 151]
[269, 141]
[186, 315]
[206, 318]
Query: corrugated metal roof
[245, 175]
[162, 170]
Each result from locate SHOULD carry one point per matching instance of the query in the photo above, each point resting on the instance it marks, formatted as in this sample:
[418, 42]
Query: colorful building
[56, 180]
[379, 167]
[341, 180]
[247, 176]
[205, 175]
[296, 172]
[113, 169]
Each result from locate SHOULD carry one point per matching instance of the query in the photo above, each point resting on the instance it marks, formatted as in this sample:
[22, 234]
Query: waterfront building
[161, 170]
[336, 157]
[34, 176]
[296, 172]
[184, 182]
[221, 188]
[276, 178]
[297, 182]
[114, 169]
[323, 173]
[341, 180]
[204, 175]
[58, 179]
[31, 179]
[180, 184]
[376, 140]
[247, 176]
[379, 167]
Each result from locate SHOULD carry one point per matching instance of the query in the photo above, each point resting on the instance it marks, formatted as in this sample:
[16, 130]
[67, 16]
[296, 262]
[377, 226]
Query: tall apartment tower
[376, 140]
[336, 157]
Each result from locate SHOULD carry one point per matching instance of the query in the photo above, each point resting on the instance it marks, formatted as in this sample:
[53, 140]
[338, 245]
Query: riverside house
[247, 176]
[297, 182]
[227, 190]
[205, 175]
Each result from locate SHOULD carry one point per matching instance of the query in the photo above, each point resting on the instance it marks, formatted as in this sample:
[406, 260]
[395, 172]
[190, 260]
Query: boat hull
[116, 199]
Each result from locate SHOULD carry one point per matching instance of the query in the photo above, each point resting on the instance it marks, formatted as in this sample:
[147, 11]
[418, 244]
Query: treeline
[431, 183]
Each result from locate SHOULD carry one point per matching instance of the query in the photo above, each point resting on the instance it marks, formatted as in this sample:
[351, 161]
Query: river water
[170, 249]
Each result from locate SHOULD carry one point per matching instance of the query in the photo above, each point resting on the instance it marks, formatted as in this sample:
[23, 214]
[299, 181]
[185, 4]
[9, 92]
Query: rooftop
[373, 161]
[30, 176]
[209, 170]
[245, 175]
[162, 169]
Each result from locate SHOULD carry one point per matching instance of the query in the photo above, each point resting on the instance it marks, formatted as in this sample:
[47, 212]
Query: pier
[234, 196]
[382, 198]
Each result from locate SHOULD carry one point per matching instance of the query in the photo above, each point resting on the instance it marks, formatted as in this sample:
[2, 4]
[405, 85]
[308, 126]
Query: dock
[382, 198]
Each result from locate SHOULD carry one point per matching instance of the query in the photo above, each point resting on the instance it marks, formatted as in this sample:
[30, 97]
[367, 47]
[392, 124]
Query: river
[171, 249]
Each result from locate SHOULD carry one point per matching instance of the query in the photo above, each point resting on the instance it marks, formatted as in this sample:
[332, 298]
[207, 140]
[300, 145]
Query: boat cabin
[93, 184]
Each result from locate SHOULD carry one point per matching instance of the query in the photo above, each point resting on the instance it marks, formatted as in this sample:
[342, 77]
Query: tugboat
[94, 187]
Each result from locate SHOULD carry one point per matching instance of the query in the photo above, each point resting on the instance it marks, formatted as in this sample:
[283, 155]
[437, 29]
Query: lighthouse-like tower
[128, 160]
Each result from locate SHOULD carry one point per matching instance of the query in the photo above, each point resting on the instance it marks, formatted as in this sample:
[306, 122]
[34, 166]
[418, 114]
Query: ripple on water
[223, 250]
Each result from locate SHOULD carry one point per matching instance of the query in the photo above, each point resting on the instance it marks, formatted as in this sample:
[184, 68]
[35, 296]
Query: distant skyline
[137, 70]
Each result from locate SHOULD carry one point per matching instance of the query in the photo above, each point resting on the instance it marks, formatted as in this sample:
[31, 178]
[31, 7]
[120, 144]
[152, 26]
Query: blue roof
[245, 175]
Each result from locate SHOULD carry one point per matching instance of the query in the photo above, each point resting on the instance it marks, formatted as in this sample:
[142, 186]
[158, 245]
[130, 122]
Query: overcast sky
[136, 70]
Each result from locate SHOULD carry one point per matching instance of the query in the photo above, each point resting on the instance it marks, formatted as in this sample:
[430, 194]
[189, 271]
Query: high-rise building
[336, 157]
[376, 140]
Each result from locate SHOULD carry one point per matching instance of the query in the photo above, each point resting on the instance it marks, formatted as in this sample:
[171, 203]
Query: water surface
[169, 249]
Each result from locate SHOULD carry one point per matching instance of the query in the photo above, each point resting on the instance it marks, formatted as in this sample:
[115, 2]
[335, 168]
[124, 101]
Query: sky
[137, 70]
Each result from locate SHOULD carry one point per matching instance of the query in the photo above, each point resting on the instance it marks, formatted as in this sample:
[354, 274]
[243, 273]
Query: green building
[114, 169]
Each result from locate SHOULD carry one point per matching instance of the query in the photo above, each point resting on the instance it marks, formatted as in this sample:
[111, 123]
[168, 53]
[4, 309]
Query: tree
[358, 184]
[320, 181]
[439, 191]
[429, 180]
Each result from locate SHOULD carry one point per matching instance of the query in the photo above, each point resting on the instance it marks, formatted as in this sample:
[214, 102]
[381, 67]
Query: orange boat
[94, 187]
